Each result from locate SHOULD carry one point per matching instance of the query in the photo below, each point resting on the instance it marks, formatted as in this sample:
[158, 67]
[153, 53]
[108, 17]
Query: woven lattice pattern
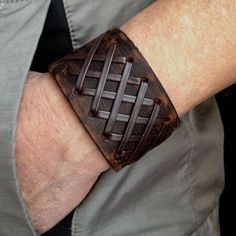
[118, 97]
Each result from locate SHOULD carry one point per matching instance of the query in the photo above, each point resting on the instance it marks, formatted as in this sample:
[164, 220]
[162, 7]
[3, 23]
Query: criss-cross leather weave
[117, 97]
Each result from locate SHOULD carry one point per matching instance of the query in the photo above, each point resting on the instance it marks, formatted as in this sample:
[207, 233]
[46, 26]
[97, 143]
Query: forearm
[190, 45]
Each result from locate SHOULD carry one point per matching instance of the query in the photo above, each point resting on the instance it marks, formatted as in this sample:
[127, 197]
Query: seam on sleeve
[69, 20]
[204, 222]
[13, 1]
[188, 175]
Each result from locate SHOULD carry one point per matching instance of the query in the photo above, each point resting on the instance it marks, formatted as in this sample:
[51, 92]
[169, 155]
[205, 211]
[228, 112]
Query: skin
[191, 48]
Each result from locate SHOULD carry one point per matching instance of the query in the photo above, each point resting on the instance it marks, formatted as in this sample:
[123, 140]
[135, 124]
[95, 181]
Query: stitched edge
[205, 220]
[69, 20]
[13, 1]
[188, 175]
[75, 228]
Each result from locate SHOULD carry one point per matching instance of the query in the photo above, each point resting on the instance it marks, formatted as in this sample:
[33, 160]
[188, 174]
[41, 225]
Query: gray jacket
[173, 191]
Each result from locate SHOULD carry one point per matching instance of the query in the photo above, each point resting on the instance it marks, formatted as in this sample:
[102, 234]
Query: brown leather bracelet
[117, 97]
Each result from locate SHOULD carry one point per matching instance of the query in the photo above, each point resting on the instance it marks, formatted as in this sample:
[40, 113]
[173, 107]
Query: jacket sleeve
[21, 23]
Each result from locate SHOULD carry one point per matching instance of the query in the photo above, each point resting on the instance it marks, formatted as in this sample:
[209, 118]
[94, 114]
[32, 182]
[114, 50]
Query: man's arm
[190, 45]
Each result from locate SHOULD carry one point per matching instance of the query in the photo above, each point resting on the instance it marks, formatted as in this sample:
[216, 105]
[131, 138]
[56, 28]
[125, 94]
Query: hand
[57, 162]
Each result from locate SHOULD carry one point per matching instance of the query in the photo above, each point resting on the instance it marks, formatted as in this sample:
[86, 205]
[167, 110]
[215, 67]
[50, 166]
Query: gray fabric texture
[88, 19]
[172, 191]
[21, 23]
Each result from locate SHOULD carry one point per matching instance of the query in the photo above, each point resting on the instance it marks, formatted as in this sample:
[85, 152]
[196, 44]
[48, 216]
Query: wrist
[90, 160]
[48, 126]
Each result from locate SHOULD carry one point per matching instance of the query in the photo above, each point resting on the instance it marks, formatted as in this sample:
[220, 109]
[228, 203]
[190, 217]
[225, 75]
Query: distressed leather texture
[117, 97]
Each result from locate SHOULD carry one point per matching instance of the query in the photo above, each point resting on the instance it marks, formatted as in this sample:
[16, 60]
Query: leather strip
[117, 97]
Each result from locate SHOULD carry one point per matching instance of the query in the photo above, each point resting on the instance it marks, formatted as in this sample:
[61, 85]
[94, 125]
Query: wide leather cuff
[117, 97]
